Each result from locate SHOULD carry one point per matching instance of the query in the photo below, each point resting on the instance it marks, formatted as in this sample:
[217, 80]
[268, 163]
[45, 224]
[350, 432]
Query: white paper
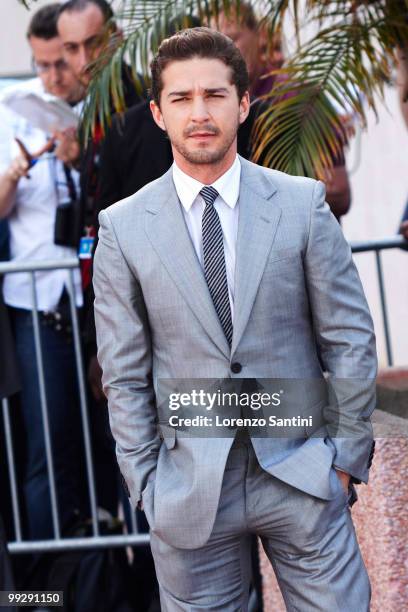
[45, 112]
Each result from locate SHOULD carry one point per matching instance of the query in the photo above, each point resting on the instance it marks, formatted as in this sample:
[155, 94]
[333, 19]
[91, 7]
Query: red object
[97, 134]
[86, 264]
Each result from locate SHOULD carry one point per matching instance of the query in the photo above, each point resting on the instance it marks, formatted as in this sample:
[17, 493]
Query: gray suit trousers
[310, 542]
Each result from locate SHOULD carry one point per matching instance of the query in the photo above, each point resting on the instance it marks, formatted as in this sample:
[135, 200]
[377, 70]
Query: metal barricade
[396, 242]
[96, 540]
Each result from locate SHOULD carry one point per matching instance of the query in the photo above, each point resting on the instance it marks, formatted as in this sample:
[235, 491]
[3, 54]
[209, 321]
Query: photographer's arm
[67, 147]
[8, 184]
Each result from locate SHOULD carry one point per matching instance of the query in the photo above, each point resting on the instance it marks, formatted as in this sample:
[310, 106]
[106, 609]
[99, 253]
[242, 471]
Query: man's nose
[55, 75]
[199, 111]
[84, 58]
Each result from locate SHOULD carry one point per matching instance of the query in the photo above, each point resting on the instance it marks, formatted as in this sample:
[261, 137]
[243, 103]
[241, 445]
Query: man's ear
[118, 32]
[157, 115]
[244, 107]
[113, 36]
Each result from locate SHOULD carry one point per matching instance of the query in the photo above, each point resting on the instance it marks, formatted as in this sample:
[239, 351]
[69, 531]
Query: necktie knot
[209, 194]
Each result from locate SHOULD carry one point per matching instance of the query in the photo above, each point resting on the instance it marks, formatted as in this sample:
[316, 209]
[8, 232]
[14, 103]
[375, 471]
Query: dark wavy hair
[43, 23]
[199, 42]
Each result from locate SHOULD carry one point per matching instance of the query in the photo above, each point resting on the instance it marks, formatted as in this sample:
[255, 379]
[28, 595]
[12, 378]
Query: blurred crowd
[52, 187]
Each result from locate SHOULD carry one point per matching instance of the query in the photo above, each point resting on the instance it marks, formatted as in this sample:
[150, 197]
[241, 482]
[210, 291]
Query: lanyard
[70, 183]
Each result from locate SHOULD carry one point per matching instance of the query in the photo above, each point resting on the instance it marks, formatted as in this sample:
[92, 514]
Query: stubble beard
[204, 156]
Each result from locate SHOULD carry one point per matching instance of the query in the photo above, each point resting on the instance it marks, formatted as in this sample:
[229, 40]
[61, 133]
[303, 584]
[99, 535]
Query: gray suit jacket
[299, 310]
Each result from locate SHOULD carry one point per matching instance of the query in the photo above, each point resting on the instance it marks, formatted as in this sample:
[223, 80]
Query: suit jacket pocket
[285, 262]
[283, 254]
[168, 435]
[148, 501]
[317, 426]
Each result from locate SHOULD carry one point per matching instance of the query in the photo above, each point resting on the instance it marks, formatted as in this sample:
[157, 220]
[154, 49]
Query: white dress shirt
[31, 221]
[226, 205]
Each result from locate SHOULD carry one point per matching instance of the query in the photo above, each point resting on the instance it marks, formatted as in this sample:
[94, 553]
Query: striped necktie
[214, 260]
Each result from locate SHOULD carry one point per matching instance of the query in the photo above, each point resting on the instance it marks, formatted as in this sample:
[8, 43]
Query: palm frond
[343, 69]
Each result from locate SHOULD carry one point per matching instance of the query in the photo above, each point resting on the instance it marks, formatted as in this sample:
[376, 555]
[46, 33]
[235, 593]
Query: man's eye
[71, 48]
[94, 43]
[180, 99]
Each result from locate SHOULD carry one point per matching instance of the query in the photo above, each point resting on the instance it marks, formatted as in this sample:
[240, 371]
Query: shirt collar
[227, 185]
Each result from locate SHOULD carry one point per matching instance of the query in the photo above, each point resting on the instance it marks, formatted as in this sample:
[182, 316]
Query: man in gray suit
[225, 271]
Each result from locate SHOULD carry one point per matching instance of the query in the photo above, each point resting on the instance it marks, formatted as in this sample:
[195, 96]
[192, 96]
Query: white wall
[15, 57]
[380, 188]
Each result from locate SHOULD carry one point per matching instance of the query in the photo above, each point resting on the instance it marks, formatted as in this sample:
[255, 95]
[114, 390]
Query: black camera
[68, 226]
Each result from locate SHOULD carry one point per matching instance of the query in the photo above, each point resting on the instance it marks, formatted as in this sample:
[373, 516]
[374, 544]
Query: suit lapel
[257, 225]
[168, 234]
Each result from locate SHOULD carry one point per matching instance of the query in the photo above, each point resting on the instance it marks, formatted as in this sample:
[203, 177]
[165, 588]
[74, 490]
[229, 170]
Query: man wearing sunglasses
[33, 184]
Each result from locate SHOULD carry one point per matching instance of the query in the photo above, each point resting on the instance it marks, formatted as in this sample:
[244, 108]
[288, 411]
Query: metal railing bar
[44, 408]
[357, 246]
[83, 405]
[379, 244]
[21, 266]
[11, 469]
[84, 543]
[384, 307]
[133, 522]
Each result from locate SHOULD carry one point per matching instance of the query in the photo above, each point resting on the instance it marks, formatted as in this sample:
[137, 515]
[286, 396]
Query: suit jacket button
[236, 367]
